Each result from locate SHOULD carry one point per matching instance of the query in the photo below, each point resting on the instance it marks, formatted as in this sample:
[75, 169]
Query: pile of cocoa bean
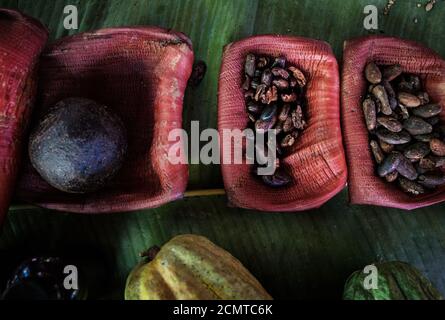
[275, 99]
[406, 136]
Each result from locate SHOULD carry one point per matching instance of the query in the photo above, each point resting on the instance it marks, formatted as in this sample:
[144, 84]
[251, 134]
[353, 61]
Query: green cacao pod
[395, 281]
[190, 267]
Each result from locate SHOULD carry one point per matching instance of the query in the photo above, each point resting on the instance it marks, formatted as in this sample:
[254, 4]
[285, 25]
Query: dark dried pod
[416, 126]
[279, 179]
[406, 169]
[85, 141]
[428, 110]
[411, 186]
[380, 94]
[432, 180]
[387, 136]
[391, 177]
[417, 151]
[370, 113]
[391, 72]
[299, 76]
[289, 97]
[408, 100]
[437, 147]
[373, 73]
[266, 77]
[390, 123]
[377, 151]
[250, 65]
[390, 163]
[280, 72]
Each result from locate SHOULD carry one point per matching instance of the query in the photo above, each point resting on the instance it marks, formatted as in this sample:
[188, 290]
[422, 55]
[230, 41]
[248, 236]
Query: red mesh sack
[141, 73]
[365, 187]
[21, 41]
[316, 162]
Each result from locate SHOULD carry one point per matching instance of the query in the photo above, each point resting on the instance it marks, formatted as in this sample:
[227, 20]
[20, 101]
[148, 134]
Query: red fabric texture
[139, 72]
[21, 41]
[317, 161]
[365, 187]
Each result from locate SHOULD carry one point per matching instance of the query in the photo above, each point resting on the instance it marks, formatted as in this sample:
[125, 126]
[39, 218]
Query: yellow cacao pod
[191, 267]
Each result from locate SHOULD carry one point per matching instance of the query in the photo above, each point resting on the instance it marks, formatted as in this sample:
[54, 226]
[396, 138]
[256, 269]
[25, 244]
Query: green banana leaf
[297, 255]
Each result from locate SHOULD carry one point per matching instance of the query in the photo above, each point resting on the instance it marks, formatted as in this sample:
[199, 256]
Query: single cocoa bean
[428, 110]
[417, 151]
[370, 113]
[411, 186]
[437, 147]
[387, 136]
[408, 100]
[373, 73]
[390, 164]
[390, 123]
[416, 126]
[380, 94]
[391, 72]
[377, 151]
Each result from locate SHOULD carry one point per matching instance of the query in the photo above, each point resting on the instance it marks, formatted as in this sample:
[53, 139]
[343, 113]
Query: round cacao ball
[78, 146]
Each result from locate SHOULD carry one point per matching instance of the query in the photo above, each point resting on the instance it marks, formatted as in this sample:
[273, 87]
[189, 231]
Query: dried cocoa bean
[390, 164]
[386, 147]
[391, 177]
[411, 187]
[428, 110]
[408, 100]
[377, 152]
[373, 73]
[415, 126]
[284, 112]
[289, 97]
[437, 147]
[298, 118]
[280, 72]
[299, 76]
[279, 179]
[406, 169]
[432, 180]
[266, 77]
[380, 94]
[250, 65]
[387, 136]
[391, 72]
[370, 113]
[417, 151]
[390, 123]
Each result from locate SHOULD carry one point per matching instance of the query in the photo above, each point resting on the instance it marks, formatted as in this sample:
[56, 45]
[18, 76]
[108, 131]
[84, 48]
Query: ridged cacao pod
[190, 267]
[21, 41]
[365, 187]
[396, 281]
[141, 74]
[316, 162]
